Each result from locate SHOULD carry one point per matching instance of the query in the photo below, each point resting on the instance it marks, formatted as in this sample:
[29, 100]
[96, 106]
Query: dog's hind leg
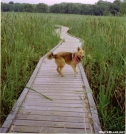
[58, 69]
[60, 64]
[61, 67]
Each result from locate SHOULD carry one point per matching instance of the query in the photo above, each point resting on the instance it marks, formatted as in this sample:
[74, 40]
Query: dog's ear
[78, 48]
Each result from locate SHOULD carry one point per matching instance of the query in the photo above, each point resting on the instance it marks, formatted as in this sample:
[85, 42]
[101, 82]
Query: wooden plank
[58, 90]
[67, 47]
[54, 108]
[58, 85]
[47, 130]
[52, 67]
[57, 94]
[53, 70]
[54, 101]
[38, 87]
[55, 97]
[63, 79]
[54, 124]
[58, 76]
[53, 104]
[59, 80]
[51, 118]
[52, 113]
[52, 90]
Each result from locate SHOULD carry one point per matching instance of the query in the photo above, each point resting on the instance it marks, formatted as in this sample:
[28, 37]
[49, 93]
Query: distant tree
[11, 5]
[117, 2]
[18, 7]
[91, 9]
[56, 8]
[103, 7]
[5, 7]
[28, 8]
[76, 8]
[67, 8]
[41, 8]
[11, 2]
[115, 7]
[123, 7]
[84, 9]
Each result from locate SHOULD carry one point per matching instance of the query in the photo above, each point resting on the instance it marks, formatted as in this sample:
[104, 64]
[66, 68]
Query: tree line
[99, 8]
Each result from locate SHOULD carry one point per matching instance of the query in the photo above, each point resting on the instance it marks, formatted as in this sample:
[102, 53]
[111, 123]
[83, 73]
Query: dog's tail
[50, 56]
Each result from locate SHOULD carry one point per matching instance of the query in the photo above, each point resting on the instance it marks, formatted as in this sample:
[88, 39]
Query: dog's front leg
[74, 68]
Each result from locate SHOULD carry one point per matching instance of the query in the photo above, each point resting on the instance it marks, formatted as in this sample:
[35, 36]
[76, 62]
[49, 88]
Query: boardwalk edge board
[93, 109]
[10, 118]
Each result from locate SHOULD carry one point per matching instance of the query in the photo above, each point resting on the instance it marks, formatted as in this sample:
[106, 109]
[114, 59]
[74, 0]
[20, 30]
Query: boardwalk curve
[72, 109]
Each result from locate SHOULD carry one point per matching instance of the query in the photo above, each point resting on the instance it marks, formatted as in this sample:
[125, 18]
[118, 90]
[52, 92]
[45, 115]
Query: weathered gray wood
[63, 79]
[38, 97]
[50, 118]
[59, 86]
[77, 109]
[57, 94]
[57, 83]
[56, 88]
[51, 113]
[57, 101]
[48, 130]
[53, 104]
[54, 124]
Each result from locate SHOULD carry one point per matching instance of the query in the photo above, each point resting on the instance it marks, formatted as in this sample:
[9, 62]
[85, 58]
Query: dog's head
[79, 54]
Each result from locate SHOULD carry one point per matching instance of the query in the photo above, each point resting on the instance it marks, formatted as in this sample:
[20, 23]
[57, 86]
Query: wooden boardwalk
[72, 109]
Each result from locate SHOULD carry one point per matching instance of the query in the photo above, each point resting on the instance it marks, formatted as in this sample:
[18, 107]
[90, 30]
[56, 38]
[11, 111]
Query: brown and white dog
[67, 57]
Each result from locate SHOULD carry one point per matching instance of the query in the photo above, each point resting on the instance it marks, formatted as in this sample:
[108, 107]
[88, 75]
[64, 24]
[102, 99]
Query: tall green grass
[24, 39]
[105, 66]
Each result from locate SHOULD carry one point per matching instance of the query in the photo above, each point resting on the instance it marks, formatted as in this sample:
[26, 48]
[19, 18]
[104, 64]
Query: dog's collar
[74, 56]
[76, 59]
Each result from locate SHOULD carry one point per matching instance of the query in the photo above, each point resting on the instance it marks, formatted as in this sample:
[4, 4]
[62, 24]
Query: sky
[51, 2]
